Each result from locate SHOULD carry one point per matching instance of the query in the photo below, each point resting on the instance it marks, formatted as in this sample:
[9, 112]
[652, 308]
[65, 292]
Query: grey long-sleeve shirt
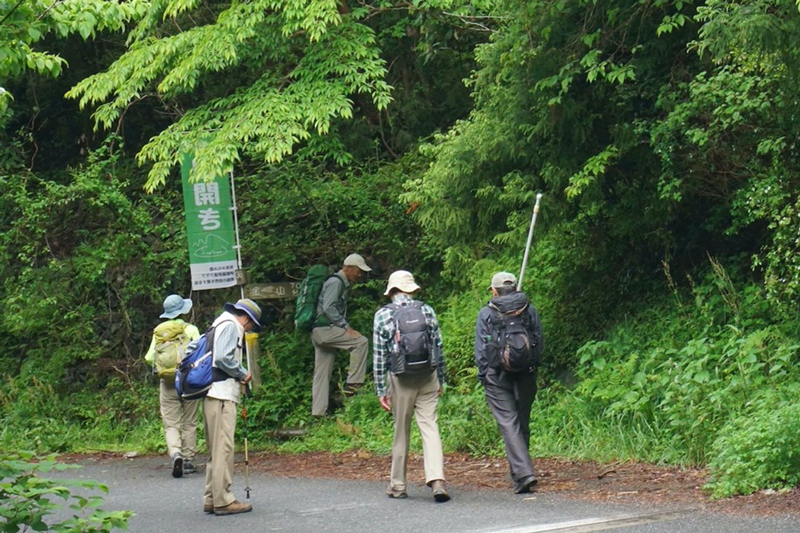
[227, 342]
[332, 304]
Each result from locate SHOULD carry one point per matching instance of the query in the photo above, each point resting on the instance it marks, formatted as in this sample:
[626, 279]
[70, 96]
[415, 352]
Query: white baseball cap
[503, 279]
[356, 261]
[402, 280]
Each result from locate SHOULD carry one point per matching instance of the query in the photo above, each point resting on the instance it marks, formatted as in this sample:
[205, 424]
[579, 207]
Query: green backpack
[171, 342]
[305, 313]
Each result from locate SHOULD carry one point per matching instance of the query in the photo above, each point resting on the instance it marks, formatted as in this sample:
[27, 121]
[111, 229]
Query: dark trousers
[510, 397]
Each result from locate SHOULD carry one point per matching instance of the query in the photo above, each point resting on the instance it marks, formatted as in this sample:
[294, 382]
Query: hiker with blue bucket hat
[167, 348]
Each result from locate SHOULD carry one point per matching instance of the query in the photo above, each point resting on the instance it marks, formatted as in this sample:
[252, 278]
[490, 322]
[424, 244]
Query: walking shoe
[351, 389]
[208, 508]
[177, 465]
[439, 491]
[524, 485]
[235, 507]
[188, 468]
[398, 494]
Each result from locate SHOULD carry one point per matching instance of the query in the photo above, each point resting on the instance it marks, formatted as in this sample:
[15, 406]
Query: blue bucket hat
[251, 308]
[174, 306]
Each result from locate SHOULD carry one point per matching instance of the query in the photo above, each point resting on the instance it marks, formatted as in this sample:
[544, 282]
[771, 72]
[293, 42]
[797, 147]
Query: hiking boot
[177, 465]
[188, 468]
[351, 389]
[235, 507]
[439, 491]
[524, 485]
[208, 508]
[398, 494]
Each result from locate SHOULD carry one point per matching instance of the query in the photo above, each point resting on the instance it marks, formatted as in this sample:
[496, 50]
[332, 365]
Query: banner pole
[238, 247]
[236, 231]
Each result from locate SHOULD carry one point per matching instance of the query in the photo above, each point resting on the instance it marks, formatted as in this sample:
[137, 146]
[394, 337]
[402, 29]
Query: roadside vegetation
[665, 262]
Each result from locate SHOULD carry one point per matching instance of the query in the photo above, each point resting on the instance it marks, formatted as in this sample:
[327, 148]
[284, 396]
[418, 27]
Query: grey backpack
[413, 345]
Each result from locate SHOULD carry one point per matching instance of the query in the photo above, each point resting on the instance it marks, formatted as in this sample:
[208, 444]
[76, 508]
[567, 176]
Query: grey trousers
[510, 397]
[326, 341]
[219, 417]
[180, 421]
[419, 396]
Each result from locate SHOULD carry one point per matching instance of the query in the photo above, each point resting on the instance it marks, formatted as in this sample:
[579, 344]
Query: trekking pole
[247, 393]
[528, 244]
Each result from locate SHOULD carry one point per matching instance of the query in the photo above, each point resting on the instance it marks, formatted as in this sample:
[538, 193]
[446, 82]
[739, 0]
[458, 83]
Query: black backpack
[413, 346]
[515, 345]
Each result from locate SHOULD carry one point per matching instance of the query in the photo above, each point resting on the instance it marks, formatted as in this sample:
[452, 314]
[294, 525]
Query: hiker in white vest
[179, 417]
[220, 405]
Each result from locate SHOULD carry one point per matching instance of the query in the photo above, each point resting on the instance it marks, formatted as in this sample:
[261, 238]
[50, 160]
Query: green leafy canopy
[256, 78]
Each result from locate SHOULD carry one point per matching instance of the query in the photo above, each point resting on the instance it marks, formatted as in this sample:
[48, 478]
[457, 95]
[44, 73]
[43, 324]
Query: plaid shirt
[383, 342]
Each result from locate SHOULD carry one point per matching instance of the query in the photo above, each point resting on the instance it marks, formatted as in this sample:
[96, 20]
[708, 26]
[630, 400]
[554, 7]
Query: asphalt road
[165, 505]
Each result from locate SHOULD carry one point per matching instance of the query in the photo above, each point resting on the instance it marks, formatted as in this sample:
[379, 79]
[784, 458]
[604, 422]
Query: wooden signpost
[271, 291]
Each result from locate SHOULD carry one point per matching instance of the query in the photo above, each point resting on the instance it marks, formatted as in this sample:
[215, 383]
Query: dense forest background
[665, 263]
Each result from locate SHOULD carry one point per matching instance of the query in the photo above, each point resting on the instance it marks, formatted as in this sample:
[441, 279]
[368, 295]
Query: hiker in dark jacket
[510, 395]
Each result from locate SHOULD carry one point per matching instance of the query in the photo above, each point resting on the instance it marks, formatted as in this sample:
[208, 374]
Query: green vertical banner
[209, 226]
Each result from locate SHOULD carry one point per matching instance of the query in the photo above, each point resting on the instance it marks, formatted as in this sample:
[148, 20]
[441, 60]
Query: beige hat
[503, 279]
[402, 280]
[356, 261]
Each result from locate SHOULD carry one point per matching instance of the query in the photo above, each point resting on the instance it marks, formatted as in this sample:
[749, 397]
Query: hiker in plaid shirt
[410, 393]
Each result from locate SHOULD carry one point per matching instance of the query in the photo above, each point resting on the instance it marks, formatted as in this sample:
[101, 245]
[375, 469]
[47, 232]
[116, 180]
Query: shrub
[761, 450]
[27, 500]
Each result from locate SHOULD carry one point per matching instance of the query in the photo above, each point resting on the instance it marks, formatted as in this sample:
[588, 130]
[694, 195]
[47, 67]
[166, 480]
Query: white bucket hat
[356, 261]
[402, 280]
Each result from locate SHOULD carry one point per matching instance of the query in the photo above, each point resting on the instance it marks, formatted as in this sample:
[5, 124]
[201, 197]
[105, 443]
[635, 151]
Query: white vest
[230, 389]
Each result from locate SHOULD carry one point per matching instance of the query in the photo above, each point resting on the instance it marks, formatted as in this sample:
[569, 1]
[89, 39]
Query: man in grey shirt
[332, 332]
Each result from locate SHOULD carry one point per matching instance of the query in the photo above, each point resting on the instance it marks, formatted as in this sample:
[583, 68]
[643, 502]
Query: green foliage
[27, 499]
[661, 132]
[661, 388]
[83, 261]
[26, 23]
[760, 450]
[331, 214]
[122, 416]
[316, 57]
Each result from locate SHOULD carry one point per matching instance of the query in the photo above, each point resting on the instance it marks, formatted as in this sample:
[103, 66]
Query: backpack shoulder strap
[341, 283]
[495, 317]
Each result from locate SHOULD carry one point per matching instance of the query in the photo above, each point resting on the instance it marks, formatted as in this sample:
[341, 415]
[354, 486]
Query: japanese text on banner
[209, 227]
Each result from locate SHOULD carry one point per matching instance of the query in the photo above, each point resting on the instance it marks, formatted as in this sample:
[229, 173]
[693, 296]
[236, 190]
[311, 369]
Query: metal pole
[237, 246]
[528, 244]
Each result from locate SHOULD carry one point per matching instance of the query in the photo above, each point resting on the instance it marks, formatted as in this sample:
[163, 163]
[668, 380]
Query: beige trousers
[180, 421]
[220, 422]
[326, 341]
[415, 395]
